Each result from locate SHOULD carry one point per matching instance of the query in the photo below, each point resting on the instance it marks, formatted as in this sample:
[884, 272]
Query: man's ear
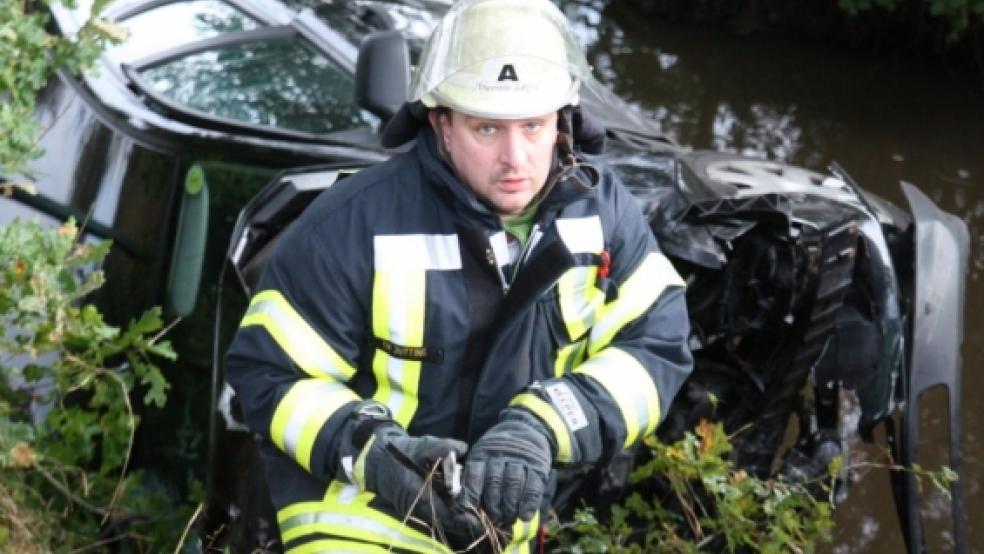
[438, 120]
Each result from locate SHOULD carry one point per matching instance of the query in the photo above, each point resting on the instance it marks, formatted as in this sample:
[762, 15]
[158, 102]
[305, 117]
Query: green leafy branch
[690, 497]
[67, 423]
[959, 14]
[29, 57]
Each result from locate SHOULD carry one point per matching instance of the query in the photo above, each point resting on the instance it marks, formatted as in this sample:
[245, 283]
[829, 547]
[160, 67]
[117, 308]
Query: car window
[185, 22]
[285, 84]
[354, 19]
[348, 18]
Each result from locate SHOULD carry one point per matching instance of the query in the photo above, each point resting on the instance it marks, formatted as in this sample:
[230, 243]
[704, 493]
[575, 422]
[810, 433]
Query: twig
[428, 487]
[688, 511]
[131, 423]
[57, 117]
[191, 521]
[81, 230]
[739, 431]
[420, 493]
[696, 497]
[104, 542]
[164, 331]
[71, 496]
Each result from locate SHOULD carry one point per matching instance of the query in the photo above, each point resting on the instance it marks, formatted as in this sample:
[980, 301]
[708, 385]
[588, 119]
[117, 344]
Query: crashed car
[802, 287]
[176, 129]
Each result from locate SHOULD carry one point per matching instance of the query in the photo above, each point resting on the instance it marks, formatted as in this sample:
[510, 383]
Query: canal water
[807, 103]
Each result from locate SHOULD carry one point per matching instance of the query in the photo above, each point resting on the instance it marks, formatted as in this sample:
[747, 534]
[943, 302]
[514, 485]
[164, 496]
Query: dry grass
[496, 538]
[18, 523]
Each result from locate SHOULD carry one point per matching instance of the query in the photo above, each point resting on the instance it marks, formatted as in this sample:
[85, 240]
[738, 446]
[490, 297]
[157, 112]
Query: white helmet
[501, 59]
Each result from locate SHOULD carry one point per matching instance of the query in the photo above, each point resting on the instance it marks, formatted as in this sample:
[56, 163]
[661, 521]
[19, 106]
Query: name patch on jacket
[563, 398]
[412, 353]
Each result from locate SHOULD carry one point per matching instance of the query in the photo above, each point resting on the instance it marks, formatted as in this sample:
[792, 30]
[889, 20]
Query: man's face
[504, 161]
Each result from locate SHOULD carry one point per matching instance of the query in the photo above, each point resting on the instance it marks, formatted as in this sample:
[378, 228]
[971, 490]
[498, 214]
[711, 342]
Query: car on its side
[802, 287]
[177, 128]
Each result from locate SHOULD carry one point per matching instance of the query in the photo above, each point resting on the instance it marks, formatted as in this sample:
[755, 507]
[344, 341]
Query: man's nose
[512, 148]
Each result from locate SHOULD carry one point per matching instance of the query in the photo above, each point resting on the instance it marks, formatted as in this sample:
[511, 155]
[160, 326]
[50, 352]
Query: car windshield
[185, 22]
[283, 83]
[354, 19]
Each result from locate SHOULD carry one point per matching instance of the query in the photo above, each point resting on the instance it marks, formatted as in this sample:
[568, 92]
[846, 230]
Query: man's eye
[486, 130]
[533, 126]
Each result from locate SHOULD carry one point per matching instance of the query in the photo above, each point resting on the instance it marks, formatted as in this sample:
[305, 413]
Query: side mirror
[382, 74]
[188, 254]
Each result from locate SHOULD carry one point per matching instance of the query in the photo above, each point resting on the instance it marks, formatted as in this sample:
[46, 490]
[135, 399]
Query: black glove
[395, 466]
[507, 470]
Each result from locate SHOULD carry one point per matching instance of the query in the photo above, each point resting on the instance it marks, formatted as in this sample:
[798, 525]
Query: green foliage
[66, 419]
[29, 56]
[959, 14]
[690, 498]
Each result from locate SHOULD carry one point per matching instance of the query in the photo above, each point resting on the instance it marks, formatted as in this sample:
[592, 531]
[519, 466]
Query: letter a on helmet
[501, 59]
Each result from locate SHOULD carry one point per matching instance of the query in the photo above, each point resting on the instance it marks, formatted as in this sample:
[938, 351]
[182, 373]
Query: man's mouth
[512, 184]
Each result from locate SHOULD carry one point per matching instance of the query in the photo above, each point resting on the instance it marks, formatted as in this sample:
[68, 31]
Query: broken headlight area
[792, 295]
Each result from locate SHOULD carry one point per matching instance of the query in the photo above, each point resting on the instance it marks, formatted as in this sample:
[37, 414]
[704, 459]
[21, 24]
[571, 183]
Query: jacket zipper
[520, 260]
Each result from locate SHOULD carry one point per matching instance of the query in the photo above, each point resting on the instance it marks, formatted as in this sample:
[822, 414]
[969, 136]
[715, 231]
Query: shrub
[67, 422]
[690, 498]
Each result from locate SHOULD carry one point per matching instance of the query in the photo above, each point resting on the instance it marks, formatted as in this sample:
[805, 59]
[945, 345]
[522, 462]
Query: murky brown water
[811, 104]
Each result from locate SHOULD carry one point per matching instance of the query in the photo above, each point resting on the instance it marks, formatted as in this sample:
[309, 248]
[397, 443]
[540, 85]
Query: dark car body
[798, 281]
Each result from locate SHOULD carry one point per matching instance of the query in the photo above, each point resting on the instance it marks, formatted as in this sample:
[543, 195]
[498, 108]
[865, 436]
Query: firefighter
[488, 296]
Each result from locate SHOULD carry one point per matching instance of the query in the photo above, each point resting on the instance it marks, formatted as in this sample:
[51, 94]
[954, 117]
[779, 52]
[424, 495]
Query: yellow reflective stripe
[337, 547]
[345, 513]
[305, 347]
[301, 414]
[545, 411]
[522, 533]
[398, 316]
[359, 467]
[569, 357]
[630, 386]
[580, 300]
[654, 275]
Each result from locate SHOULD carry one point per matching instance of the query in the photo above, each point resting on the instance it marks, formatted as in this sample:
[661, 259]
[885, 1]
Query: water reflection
[762, 130]
[810, 105]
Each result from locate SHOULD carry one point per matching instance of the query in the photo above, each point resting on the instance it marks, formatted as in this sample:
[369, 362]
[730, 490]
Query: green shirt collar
[520, 226]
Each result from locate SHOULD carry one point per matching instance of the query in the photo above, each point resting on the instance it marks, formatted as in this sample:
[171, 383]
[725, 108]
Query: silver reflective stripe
[304, 407]
[636, 295]
[630, 386]
[400, 316]
[401, 263]
[535, 235]
[394, 370]
[500, 248]
[617, 317]
[301, 348]
[408, 252]
[385, 533]
[581, 302]
[582, 234]
[642, 413]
